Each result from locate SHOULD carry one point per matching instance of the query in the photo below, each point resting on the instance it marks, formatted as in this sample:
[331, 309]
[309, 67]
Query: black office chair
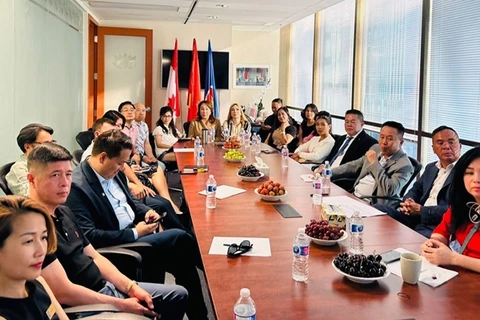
[84, 138]
[3, 181]
[417, 167]
[77, 156]
[186, 126]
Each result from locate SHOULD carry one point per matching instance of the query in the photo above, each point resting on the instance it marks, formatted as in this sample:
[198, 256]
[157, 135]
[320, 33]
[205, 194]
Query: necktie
[342, 148]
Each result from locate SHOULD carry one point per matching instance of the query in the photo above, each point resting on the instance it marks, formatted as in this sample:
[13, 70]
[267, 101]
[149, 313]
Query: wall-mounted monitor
[220, 65]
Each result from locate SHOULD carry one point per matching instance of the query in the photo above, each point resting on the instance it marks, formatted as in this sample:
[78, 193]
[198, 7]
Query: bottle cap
[301, 230]
[211, 176]
[245, 292]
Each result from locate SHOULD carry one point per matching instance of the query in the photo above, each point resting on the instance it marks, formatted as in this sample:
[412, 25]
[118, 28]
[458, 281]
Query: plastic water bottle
[254, 143]
[242, 137]
[245, 308]
[284, 156]
[211, 190]
[197, 144]
[355, 229]
[201, 156]
[317, 190]
[211, 135]
[300, 256]
[327, 177]
[258, 145]
[246, 138]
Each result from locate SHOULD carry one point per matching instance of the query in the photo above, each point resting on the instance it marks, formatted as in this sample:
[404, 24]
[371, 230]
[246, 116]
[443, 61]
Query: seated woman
[205, 120]
[319, 147]
[307, 127]
[166, 135]
[236, 121]
[27, 234]
[283, 132]
[461, 220]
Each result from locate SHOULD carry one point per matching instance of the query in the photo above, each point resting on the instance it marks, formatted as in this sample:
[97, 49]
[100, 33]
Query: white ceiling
[258, 15]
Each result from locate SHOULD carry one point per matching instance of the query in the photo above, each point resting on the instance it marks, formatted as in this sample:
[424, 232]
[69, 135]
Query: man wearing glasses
[143, 146]
[29, 138]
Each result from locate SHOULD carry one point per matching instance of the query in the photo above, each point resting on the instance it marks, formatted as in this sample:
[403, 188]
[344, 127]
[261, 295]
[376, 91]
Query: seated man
[29, 137]
[425, 203]
[108, 215]
[77, 273]
[269, 122]
[143, 146]
[380, 174]
[354, 144]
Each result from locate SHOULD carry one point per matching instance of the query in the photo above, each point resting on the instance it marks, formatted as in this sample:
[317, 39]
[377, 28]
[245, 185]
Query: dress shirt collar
[448, 168]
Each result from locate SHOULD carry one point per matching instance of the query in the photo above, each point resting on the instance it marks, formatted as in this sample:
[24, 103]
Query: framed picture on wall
[250, 76]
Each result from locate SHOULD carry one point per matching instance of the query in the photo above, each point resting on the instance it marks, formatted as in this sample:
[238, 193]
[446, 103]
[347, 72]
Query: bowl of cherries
[321, 233]
[360, 268]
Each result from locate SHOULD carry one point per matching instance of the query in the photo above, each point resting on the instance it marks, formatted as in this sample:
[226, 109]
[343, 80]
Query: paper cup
[411, 265]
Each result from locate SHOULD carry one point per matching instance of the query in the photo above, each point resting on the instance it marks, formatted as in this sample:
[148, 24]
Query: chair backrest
[3, 181]
[151, 139]
[186, 125]
[84, 138]
[417, 167]
[77, 156]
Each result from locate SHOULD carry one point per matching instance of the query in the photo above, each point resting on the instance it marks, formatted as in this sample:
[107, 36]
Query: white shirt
[316, 150]
[118, 200]
[339, 159]
[167, 138]
[442, 176]
[366, 185]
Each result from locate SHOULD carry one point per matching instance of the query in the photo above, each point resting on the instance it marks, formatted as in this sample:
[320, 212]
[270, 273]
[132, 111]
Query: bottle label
[328, 172]
[200, 154]
[211, 188]
[240, 317]
[356, 228]
[317, 185]
[301, 251]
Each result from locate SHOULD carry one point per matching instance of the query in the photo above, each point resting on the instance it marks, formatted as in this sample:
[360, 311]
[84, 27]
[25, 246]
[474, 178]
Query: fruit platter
[361, 268]
[249, 173]
[271, 191]
[234, 156]
[231, 144]
[321, 233]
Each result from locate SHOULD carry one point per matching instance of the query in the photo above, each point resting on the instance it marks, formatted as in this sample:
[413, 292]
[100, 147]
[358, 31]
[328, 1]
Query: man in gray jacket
[383, 170]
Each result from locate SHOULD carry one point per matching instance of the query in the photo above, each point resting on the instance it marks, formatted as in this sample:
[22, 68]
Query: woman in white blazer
[319, 147]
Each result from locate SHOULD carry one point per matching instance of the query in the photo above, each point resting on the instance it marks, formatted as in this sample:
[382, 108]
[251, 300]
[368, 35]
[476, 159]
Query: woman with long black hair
[166, 135]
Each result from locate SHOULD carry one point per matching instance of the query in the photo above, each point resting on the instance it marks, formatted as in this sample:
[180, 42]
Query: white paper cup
[411, 265]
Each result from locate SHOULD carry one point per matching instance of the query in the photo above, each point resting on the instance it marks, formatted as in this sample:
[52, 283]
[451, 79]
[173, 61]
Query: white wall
[245, 48]
[42, 70]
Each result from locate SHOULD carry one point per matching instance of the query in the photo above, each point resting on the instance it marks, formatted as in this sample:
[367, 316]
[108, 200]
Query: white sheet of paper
[225, 191]
[350, 205]
[307, 177]
[430, 274]
[261, 246]
[184, 150]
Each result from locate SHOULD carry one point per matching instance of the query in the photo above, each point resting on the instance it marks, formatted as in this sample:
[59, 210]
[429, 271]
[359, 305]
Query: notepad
[224, 191]
[287, 211]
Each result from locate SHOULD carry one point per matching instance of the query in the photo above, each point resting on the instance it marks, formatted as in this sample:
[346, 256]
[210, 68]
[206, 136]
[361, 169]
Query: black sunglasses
[235, 250]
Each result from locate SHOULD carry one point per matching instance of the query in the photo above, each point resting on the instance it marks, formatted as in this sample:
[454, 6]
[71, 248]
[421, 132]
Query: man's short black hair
[100, 122]
[46, 153]
[29, 133]
[441, 128]
[356, 112]
[112, 142]
[124, 103]
[278, 100]
[395, 125]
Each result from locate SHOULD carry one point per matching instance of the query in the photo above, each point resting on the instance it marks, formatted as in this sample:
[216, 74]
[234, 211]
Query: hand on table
[437, 252]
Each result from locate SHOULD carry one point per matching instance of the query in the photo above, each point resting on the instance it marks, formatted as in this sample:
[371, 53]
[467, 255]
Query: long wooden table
[327, 295]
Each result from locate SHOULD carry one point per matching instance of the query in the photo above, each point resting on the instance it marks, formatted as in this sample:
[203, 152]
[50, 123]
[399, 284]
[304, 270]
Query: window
[453, 96]
[301, 67]
[336, 57]
[390, 67]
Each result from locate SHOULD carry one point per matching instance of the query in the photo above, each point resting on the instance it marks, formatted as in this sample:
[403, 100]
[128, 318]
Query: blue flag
[210, 88]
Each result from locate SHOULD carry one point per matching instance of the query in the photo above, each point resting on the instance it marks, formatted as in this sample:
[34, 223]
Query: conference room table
[327, 294]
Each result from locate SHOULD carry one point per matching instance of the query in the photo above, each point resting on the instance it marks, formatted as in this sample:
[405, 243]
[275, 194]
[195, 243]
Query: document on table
[183, 150]
[430, 274]
[350, 205]
[307, 177]
[225, 191]
[261, 246]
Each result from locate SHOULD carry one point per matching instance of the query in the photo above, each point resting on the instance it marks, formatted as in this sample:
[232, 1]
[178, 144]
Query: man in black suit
[109, 215]
[354, 144]
[269, 122]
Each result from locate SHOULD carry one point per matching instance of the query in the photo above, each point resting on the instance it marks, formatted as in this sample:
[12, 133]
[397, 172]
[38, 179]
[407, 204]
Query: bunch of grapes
[321, 230]
[234, 154]
[249, 171]
[360, 265]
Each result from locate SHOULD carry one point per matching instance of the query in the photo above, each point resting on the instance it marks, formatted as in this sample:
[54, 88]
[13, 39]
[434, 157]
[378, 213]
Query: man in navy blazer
[425, 203]
[109, 215]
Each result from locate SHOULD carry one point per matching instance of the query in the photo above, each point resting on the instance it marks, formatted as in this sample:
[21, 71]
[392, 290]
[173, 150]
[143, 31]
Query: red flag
[194, 91]
[173, 97]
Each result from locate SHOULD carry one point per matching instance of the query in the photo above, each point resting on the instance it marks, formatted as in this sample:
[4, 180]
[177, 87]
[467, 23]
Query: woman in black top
[27, 234]
[307, 127]
[283, 132]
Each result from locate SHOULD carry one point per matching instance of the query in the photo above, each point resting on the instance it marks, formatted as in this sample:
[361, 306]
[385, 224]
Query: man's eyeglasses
[235, 250]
